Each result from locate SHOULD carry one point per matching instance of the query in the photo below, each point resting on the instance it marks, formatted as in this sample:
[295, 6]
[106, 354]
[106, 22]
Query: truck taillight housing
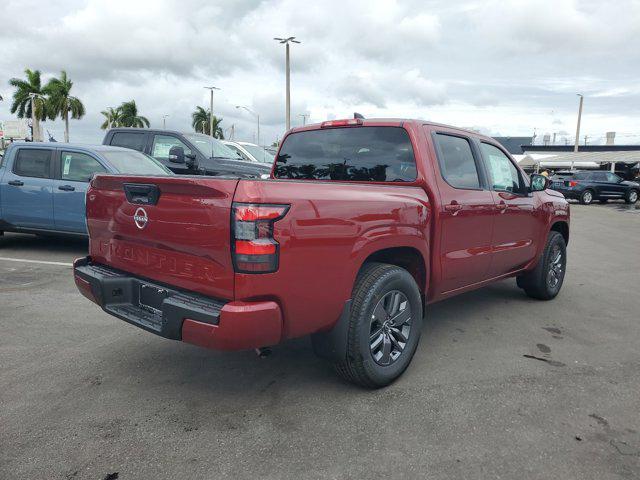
[253, 248]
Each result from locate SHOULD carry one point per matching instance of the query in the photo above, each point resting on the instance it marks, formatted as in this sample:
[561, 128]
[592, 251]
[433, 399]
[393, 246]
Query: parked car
[251, 152]
[363, 224]
[43, 185]
[186, 153]
[588, 186]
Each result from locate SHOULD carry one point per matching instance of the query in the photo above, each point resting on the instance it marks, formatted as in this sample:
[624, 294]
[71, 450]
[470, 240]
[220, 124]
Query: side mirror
[539, 183]
[176, 155]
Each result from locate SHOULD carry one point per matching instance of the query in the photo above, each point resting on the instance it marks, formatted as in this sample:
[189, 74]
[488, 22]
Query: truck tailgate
[174, 230]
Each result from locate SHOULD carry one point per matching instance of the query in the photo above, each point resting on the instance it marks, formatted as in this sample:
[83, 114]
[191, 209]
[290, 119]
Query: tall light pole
[255, 115]
[304, 118]
[35, 124]
[211, 110]
[575, 147]
[286, 42]
[164, 121]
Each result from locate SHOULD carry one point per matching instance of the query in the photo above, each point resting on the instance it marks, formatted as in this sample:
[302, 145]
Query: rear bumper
[180, 315]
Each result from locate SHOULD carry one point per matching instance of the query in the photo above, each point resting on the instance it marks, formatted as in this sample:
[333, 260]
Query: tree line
[32, 99]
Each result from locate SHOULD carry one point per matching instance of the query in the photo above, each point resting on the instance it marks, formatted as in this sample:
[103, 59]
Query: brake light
[254, 249]
[349, 122]
[572, 183]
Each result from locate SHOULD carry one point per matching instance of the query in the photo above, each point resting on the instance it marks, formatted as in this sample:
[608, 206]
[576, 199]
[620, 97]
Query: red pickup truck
[362, 224]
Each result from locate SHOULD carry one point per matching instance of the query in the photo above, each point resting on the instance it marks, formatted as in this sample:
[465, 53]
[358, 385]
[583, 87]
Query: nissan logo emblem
[140, 217]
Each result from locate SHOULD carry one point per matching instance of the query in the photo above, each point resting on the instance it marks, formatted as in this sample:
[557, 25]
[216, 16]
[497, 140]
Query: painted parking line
[42, 262]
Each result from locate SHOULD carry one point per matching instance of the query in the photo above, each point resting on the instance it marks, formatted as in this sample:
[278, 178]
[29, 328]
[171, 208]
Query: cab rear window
[365, 154]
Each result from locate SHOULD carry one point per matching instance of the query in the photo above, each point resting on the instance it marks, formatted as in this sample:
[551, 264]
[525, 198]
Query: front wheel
[384, 326]
[545, 280]
[631, 196]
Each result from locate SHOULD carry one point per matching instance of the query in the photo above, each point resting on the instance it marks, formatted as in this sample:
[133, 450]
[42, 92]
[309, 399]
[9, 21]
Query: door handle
[453, 207]
[501, 206]
[66, 188]
[16, 183]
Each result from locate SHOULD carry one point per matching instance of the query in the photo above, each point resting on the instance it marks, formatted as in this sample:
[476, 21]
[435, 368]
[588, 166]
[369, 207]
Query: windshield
[210, 147]
[135, 163]
[259, 153]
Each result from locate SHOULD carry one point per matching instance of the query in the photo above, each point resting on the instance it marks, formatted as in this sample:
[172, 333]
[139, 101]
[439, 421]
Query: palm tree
[61, 102]
[112, 118]
[29, 101]
[129, 116]
[200, 122]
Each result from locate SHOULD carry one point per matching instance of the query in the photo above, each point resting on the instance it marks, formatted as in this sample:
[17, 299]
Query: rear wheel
[545, 280]
[384, 326]
[631, 196]
[587, 197]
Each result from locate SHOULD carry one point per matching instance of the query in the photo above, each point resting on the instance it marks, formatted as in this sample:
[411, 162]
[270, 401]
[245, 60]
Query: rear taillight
[571, 183]
[254, 249]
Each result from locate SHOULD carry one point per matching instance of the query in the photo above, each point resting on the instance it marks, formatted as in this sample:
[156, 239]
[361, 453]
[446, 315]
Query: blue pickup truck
[43, 185]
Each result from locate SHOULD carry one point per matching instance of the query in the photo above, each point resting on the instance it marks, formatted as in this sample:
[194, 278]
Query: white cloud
[500, 65]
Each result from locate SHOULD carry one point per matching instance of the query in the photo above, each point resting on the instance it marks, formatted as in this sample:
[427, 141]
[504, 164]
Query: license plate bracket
[151, 297]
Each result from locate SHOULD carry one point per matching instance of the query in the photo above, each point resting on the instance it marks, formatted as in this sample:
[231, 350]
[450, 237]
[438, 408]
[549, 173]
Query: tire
[631, 196]
[540, 282]
[375, 362]
[586, 198]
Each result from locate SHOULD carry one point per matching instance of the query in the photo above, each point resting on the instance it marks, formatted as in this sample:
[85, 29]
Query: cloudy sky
[503, 67]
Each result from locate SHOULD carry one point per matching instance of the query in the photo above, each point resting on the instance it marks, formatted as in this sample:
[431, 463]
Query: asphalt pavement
[502, 386]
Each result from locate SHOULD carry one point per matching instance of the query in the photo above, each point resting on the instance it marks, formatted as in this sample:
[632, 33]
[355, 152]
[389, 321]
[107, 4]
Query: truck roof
[399, 122]
[154, 130]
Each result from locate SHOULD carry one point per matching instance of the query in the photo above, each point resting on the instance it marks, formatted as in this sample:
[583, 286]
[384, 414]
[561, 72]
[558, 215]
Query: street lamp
[164, 121]
[255, 115]
[575, 147]
[35, 130]
[286, 42]
[304, 118]
[211, 110]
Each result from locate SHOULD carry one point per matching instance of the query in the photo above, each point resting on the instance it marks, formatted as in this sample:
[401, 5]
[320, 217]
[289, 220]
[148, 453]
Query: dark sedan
[587, 186]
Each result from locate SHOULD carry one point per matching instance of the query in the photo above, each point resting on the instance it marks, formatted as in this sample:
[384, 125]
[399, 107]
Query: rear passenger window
[33, 163]
[79, 167]
[135, 141]
[361, 154]
[457, 164]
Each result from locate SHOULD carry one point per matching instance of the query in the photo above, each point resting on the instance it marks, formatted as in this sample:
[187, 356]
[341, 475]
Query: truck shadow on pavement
[26, 244]
[184, 369]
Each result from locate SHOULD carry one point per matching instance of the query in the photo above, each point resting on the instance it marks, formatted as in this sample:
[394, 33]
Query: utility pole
[211, 110]
[575, 147]
[304, 118]
[585, 140]
[286, 42]
[35, 124]
[255, 114]
[164, 121]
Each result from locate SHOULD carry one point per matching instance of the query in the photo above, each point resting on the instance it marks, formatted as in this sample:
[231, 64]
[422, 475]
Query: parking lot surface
[502, 386]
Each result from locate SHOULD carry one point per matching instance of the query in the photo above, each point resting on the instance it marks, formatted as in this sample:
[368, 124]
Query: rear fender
[391, 236]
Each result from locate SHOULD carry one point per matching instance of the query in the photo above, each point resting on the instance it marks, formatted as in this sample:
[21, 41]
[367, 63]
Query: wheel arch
[562, 227]
[409, 258]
